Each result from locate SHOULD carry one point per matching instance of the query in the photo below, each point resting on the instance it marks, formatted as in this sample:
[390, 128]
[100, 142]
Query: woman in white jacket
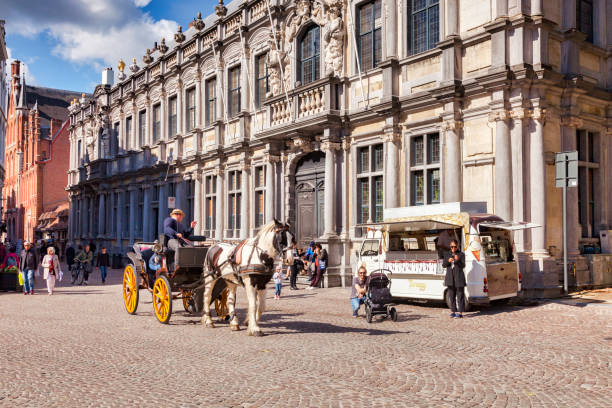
[51, 267]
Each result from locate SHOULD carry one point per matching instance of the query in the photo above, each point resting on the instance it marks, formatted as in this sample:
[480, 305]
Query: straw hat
[177, 211]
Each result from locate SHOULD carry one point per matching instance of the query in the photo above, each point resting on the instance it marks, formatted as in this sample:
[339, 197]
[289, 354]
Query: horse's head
[283, 241]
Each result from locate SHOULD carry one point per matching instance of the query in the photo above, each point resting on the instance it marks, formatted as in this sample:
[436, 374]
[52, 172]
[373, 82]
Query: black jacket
[103, 260]
[70, 255]
[454, 271]
[28, 259]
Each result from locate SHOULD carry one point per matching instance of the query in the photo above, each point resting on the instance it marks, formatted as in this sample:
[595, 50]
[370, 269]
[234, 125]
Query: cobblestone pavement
[80, 348]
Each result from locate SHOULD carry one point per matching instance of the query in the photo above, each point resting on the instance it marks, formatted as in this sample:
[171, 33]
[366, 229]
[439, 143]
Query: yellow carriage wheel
[130, 289]
[221, 305]
[162, 299]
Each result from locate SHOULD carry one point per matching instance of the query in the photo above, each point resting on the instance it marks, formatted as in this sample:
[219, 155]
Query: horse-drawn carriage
[149, 269]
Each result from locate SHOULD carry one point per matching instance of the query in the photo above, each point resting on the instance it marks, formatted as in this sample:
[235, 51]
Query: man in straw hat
[175, 235]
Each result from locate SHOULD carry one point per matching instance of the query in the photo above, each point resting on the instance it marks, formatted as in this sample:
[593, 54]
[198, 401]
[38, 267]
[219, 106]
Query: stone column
[503, 168]
[163, 206]
[101, 215]
[569, 126]
[132, 221]
[391, 139]
[452, 14]
[244, 81]
[244, 200]
[518, 148]
[270, 188]
[197, 202]
[330, 188]
[344, 234]
[537, 181]
[146, 216]
[220, 210]
[390, 12]
[120, 221]
[85, 217]
[163, 121]
[112, 222]
[452, 180]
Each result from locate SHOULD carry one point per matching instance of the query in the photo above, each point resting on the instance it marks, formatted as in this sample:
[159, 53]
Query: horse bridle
[282, 245]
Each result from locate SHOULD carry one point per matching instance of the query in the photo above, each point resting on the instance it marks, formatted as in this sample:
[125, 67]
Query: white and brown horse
[250, 264]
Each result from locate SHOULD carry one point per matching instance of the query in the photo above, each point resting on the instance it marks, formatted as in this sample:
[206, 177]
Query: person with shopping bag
[52, 269]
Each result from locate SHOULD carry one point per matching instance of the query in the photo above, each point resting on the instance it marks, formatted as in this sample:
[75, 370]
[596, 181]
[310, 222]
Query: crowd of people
[312, 262]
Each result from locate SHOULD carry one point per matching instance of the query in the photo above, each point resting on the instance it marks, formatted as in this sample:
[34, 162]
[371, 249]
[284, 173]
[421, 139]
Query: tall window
[584, 18]
[172, 117]
[139, 212]
[233, 99]
[424, 25]
[370, 34]
[261, 77]
[260, 195]
[211, 101]
[425, 169]
[142, 126]
[233, 207]
[587, 144]
[156, 123]
[190, 194]
[115, 213]
[128, 132]
[79, 148]
[126, 221]
[370, 187]
[309, 55]
[210, 197]
[191, 109]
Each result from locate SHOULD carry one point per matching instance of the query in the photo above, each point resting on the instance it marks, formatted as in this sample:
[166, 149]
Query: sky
[65, 44]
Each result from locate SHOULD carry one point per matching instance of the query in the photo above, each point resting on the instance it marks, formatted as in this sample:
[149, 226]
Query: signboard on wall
[172, 202]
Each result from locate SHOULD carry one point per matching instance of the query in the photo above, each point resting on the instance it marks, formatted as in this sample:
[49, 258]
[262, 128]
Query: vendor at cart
[175, 234]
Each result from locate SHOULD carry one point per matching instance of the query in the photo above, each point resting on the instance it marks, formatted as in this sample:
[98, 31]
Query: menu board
[428, 267]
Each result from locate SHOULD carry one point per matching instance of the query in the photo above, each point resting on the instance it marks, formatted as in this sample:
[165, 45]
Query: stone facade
[364, 106]
[37, 155]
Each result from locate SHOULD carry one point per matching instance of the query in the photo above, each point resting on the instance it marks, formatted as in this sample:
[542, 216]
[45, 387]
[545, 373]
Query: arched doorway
[309, 192]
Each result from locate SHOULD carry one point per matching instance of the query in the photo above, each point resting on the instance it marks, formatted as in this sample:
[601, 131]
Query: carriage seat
[190, 257]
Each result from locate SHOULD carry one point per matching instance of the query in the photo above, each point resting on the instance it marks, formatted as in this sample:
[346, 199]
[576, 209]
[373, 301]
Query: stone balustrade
[280, 112]
[311, 101]
[231, 25]
[171, 61]
[190, 50]
[156, 70]
[258, 10]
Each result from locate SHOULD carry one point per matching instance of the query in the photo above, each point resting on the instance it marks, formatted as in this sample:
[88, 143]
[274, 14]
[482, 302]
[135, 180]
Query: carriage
[183, 282]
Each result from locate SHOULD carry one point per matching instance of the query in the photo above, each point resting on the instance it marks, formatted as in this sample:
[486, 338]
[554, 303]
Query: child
[278, 282]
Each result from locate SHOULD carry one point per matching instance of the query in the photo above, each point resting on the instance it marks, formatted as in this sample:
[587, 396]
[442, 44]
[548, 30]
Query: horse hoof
[210, 325]
[235, 327]
[258, 333]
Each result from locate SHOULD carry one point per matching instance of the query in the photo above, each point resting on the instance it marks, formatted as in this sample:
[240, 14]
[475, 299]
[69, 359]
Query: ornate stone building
[324, 112]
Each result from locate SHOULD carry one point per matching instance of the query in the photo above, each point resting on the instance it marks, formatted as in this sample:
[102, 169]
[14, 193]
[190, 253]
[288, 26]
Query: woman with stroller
[358, 289]
[454, 280]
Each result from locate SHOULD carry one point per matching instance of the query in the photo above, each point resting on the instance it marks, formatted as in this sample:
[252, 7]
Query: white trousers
[50, 283]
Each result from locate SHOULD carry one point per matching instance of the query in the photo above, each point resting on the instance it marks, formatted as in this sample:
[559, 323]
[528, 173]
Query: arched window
[309, 50]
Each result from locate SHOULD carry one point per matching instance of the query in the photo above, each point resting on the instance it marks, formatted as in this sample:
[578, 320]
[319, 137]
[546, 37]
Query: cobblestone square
[80, 348]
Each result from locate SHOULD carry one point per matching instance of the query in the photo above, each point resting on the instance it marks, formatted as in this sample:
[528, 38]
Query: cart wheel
[368, 314]
[162, 299]
[393, 314]
[130, 289]
[221, 306]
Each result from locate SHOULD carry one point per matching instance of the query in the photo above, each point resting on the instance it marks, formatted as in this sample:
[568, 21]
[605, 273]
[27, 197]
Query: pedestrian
[320, 262]
[309, 257]
[86, 258]
[2, 253]
[28, 263]
[70, 255]
[52, 269]
[103, 264]
[454, 280]
[358, 289]
[278, 282]
[295, 268]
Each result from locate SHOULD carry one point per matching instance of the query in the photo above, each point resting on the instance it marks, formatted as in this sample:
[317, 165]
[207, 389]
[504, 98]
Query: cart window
[497, 245]
[370, 247]
[411, 244]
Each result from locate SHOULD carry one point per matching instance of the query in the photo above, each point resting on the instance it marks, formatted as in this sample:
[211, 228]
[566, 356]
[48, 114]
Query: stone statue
[274, 60]
[334, 39]
[90, 143]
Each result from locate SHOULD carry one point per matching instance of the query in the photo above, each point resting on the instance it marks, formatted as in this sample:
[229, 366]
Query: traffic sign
[566, 169]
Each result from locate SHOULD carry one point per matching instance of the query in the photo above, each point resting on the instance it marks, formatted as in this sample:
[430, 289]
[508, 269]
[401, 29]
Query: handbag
[20, 278]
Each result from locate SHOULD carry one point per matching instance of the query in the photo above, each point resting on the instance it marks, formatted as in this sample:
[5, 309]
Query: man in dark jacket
[175, 235]
[454, 280]
[28, 263]
[70, 256]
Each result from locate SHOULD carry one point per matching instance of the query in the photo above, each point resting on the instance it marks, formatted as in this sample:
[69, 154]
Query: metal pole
[565, 231]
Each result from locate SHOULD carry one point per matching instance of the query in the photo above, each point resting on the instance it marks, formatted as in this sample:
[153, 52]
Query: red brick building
[36, 160]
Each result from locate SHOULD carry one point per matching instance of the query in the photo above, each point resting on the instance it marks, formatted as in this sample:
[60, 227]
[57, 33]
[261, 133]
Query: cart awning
[509, 225]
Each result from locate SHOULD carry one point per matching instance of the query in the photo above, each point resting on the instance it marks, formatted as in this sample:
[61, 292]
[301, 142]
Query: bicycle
[78, 273]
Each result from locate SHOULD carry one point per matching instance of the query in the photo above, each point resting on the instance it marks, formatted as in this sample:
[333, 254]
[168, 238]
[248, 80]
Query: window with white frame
[259, 176]
[210, 198]
[261, 79]
[128, 132]
[233, 92]
[211, 101]
[142, 126]
[233, 203]
[370, 34]
[172, 118]
[370, 183]
[156, 123]
[425, 169]
[587, 144]
[424, 25]
[190, 108]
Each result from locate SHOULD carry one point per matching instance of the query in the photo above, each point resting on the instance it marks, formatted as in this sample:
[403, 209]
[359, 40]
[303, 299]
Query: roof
[52, 103]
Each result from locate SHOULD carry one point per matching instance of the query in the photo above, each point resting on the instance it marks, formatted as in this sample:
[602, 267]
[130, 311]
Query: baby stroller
[378, 297]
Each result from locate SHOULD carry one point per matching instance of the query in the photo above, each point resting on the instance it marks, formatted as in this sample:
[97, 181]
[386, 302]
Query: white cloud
[25, 70]
[95, 33]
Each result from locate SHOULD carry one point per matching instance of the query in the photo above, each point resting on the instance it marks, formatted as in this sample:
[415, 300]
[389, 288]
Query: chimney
[108, 77]
[15, 68]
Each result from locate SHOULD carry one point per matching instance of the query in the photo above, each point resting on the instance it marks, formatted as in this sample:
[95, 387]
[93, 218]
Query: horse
[249, 264]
